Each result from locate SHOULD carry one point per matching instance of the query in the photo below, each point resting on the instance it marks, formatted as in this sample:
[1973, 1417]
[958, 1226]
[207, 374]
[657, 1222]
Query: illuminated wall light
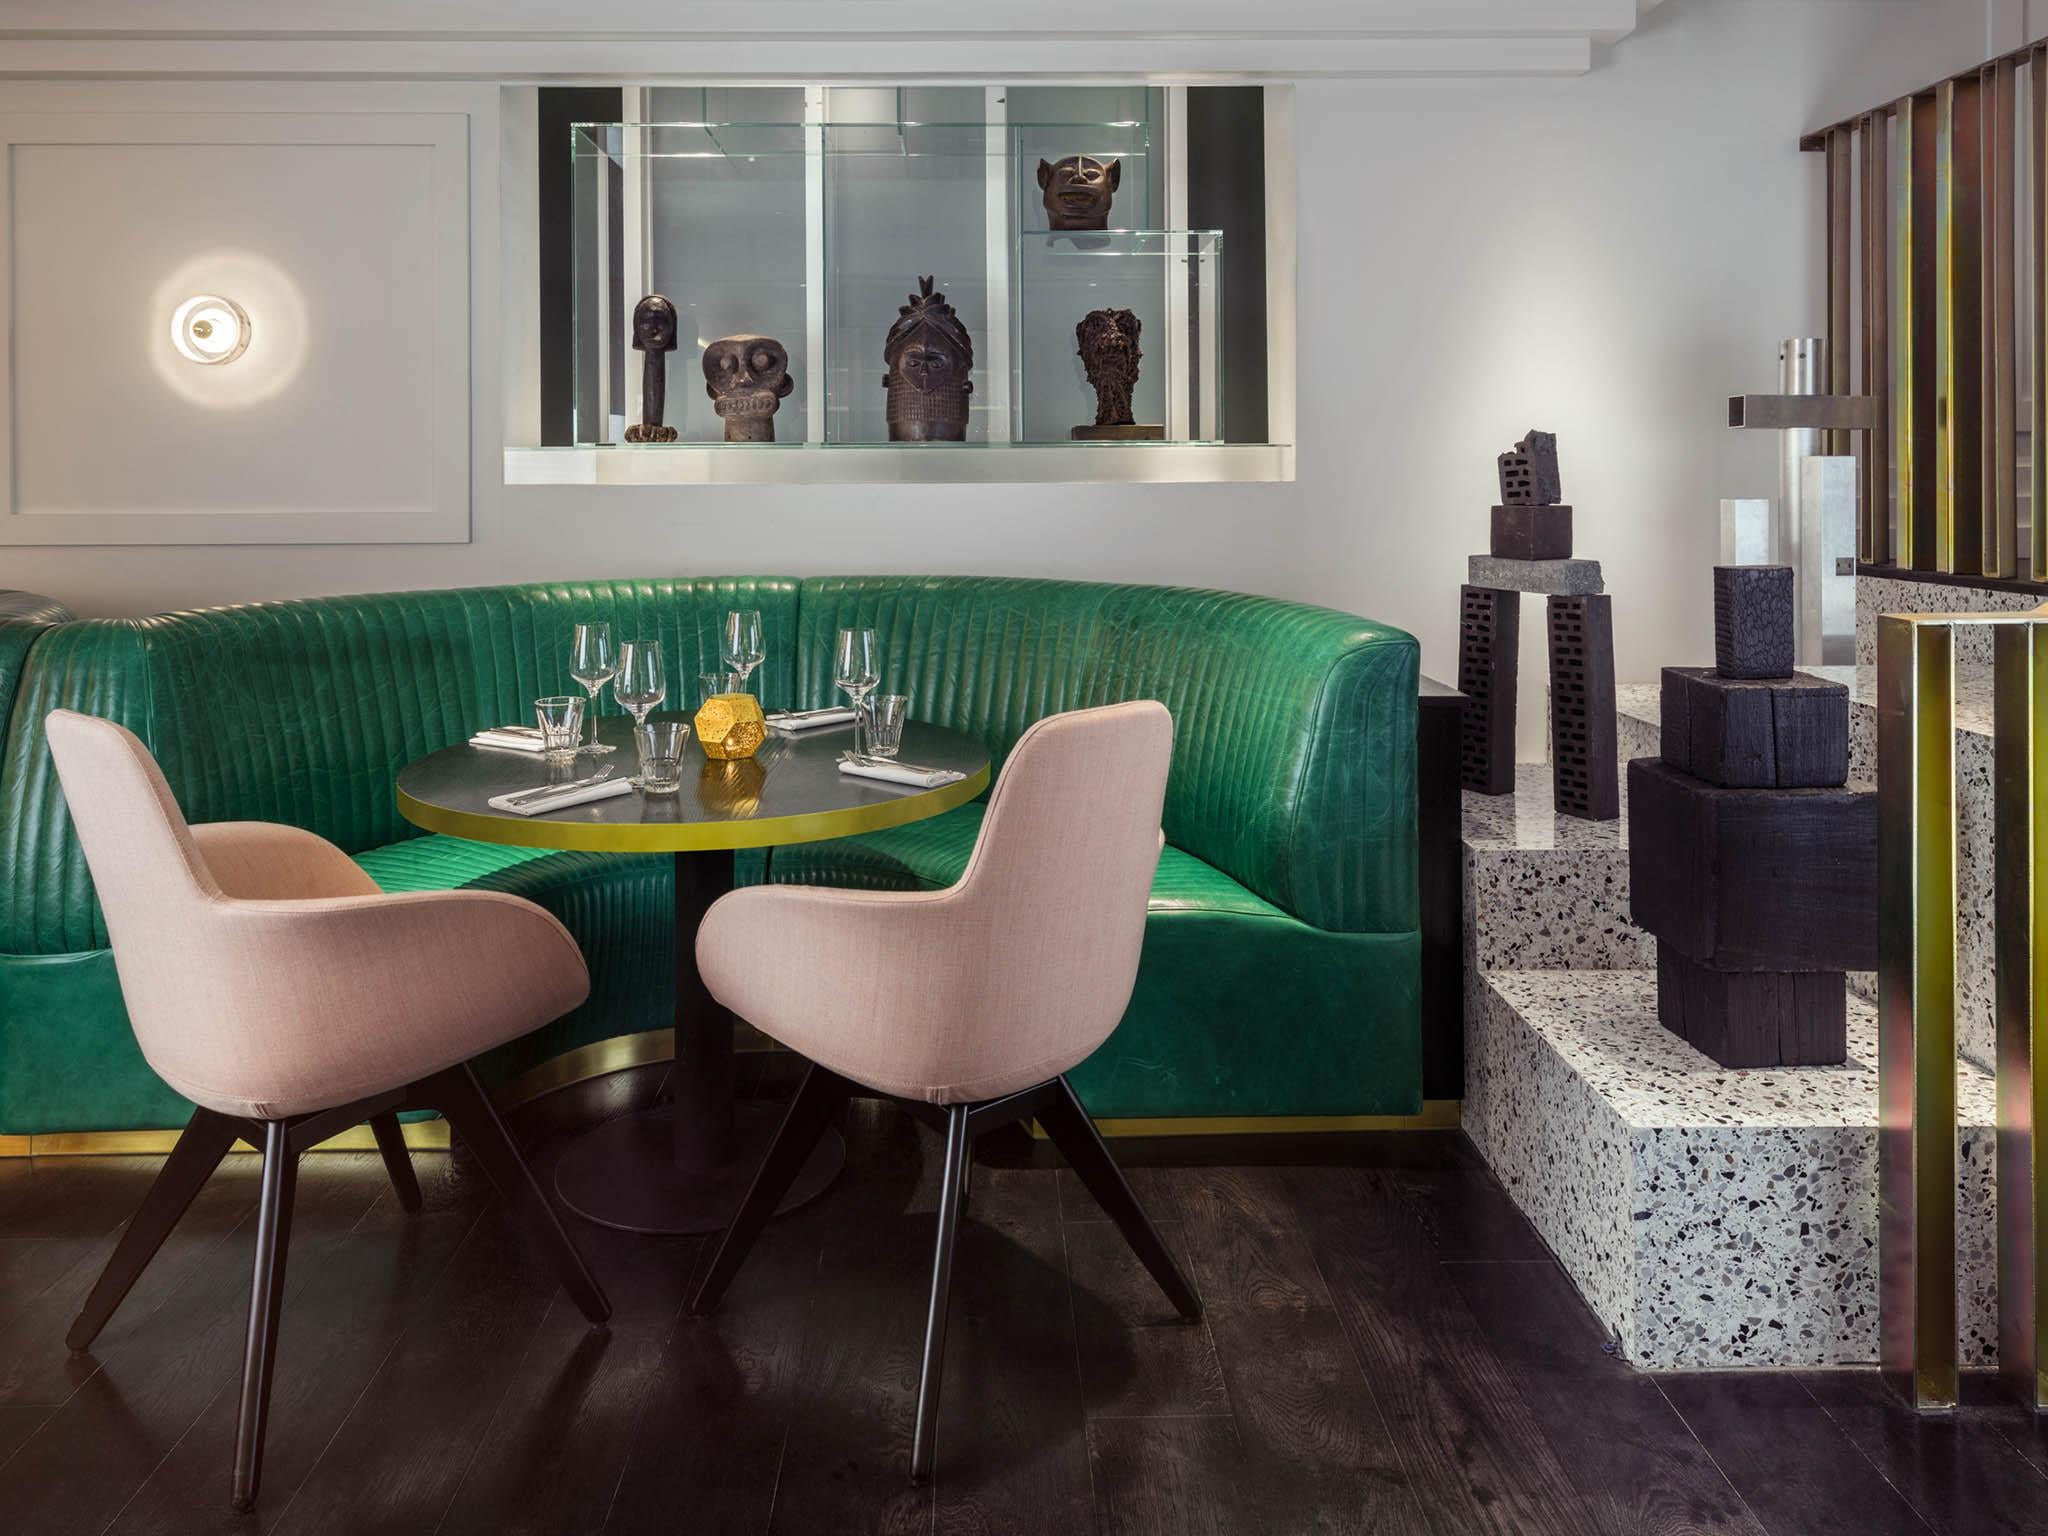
[209, 329]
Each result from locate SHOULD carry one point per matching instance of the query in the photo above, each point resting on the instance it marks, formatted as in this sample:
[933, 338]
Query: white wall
[1606, 256]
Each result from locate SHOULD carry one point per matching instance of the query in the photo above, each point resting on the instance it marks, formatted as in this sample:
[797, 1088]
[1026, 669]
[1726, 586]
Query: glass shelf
[810, 215]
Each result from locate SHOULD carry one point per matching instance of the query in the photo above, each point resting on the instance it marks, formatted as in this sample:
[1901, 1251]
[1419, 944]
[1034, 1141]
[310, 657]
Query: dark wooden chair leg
[472, 1116]
[952, 1190]
[1067, 1123]
[204, 1142]
[817, 1097]
[397, 1160]
[266, 1298]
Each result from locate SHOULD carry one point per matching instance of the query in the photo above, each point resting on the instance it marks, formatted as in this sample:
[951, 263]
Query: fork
[527, 797]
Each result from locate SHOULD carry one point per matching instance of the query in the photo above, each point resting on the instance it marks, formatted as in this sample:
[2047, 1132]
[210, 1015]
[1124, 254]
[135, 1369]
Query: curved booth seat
[1281, 963]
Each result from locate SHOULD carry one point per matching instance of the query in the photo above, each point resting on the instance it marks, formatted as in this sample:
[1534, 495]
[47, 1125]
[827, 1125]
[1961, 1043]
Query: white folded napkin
[810, 719]
[512, 738]
[570, 795]
[902, 773]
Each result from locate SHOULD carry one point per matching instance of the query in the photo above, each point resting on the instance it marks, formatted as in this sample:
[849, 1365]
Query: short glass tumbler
[661, 745]
[561, 725]
[886, 714]
[711, 684]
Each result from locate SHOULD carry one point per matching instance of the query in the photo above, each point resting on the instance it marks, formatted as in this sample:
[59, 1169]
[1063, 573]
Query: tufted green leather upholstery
[1281, 964]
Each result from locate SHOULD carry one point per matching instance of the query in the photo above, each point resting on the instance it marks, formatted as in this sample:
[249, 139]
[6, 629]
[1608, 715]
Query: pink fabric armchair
[269, 981]
[977, 999]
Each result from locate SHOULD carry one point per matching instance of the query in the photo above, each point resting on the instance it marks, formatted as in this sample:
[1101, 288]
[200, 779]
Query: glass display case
[790, 230]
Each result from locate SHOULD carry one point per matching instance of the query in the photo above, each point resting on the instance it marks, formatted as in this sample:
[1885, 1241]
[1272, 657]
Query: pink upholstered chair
[270, 982]
[976, 999]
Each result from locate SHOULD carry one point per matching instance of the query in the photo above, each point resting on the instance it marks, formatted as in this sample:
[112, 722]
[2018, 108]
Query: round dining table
[683, 1165]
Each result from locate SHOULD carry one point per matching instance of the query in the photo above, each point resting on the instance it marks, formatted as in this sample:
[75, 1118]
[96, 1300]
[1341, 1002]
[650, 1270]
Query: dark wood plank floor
[1388, 1348]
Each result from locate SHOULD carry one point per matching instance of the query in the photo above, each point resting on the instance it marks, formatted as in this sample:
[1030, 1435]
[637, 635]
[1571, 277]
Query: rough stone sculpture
[747, 378]
[1108, 340]
[930, 359]
[1078, 191]
[1528, 472]
[1530, 523]
[654, 337]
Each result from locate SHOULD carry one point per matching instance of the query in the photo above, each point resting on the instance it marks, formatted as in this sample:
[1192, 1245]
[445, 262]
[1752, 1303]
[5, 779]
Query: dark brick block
[1489, 649]
[1781, 733]
[1751, 879]
[1585, 768]
[1755, 1018]
[1524, 532]
[1753, 620]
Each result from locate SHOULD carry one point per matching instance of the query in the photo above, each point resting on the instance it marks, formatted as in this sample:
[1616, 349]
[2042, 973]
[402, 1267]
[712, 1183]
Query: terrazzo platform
[1712, 1218]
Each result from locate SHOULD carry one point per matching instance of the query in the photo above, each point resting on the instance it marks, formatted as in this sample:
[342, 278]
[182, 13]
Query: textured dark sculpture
[1489, 647]
[1585, 765]
[1528, 472]
[747, 378]
[654, 337]
[1078, 191]
[1108, 340]
[1753, 620]
[930, 357]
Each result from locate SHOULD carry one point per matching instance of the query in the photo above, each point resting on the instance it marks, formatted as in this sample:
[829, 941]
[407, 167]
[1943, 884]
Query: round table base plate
[623, 1173]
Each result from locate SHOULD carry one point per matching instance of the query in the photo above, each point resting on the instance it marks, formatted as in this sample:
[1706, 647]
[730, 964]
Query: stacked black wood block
[1751, 859]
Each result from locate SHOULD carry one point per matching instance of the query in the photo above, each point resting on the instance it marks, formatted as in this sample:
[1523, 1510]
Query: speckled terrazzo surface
[1712, 1218]
[1877, 595]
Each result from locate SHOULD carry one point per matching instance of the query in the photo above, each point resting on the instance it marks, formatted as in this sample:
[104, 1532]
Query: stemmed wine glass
[592, 664]
[857, 671]
[743, 648]
[642, 680]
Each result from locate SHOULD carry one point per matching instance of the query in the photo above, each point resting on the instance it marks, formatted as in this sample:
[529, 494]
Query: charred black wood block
[1525, 532]
[1753, 880]
[1585, 773]
[1489, 647]
[1755, 1018]
[1753, 619]
[1785, 733]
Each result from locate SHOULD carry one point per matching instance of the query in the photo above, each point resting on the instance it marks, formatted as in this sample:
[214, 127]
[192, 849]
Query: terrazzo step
[1712, 1218]
[1543, 891]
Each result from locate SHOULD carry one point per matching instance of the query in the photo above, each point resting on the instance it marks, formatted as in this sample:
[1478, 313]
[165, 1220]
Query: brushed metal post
[1799, 373]
[1958, 329]
[1999, 475]
[2020, 782]
[1874, 530]
[1916, 1008]
[1827, 566]
[1915, 386]
[1841, 279]
[2037, 203]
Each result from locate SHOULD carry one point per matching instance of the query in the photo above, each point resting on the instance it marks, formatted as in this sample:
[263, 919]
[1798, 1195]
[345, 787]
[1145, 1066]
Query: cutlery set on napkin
[889, 771]
[559, 797]
[791, 721]
[509, 738]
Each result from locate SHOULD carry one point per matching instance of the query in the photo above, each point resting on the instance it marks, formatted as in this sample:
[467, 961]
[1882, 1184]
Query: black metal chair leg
[1067, 1123]
[266, 1298]
[204, 1142]
[952, 1190]
[397, 1160]
[817, 1097]
[472, 1116]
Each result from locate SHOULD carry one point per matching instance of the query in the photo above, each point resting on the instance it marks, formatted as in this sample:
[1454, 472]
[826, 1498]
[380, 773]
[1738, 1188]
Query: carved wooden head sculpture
[1078, 191]
[654, 336]
[1110, 357]
[930, 358]
[747, 378]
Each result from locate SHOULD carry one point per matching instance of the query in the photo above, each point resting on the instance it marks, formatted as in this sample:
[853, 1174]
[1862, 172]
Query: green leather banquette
[1281, 963]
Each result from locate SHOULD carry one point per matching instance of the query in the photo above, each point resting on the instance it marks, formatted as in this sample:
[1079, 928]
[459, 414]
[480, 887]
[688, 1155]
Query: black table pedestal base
[623, 1173]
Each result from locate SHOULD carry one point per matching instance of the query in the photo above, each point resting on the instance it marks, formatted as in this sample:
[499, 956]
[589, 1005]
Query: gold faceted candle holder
[730, 726]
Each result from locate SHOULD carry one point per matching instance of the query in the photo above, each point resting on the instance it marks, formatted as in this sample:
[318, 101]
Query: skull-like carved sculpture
[747, 378]
[1078, 191]
[930, 358]
[1109, 356]
[654, 337]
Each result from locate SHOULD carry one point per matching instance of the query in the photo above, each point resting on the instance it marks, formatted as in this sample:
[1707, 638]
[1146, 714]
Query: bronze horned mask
[1078, 191]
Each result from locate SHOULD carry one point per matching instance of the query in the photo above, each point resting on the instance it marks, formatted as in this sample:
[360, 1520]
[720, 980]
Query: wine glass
[642, 679]
[592, 664]
[857, 671]
[743, 648]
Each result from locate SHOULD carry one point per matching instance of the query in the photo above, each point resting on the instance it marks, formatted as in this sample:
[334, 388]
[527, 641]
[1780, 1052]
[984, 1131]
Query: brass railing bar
[1959, 282]
[1916, 1008]
[1841, 276]
[1999, 473]
[1915, 386]
[1874, 533]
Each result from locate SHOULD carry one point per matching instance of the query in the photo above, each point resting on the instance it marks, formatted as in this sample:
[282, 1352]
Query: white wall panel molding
[346, 235]
[843, 41]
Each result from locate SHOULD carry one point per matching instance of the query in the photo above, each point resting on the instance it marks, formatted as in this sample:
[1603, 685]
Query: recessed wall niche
[342, 239]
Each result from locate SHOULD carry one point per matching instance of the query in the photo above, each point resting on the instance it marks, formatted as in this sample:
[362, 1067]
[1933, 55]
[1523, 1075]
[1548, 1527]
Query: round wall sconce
[209, 329]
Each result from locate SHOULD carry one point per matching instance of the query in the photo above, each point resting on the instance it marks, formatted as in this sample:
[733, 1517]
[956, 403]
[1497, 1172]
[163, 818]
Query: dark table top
[791, 791]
